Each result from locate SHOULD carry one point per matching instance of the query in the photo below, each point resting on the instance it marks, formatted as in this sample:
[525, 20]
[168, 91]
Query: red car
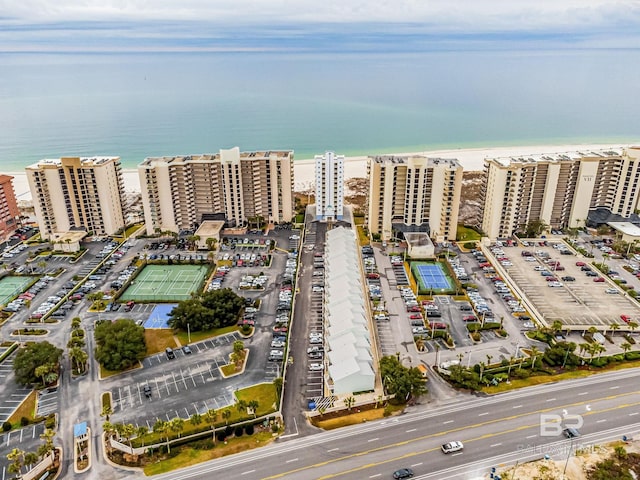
[281, 328]
[551, 279]
[415, 316]
[413, 309]
[580, 264]
[485, 264]
[469, 318]
[437, 325]
[373, 275]
[625, 318]
[598, 279]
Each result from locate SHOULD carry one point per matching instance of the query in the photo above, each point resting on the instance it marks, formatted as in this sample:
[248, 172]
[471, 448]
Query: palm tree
[196, 419]
[349, 402]
[420, 344]
[482, 365]
[128, 430]
[614, 326]
[141, 431]
[226, 414]
[241, 406]
[106, 411]
[162, 427]
[626, 346]
[30, 458]
[78, 358]
[253, 405]
[277, 383]
[633, 325]
[533, 353]
[210, 417]
[177, 426]
[489, 358]
[16, 457]
[46, 448]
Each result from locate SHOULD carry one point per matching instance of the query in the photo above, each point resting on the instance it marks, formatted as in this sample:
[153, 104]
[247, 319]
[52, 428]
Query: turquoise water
[141, 105]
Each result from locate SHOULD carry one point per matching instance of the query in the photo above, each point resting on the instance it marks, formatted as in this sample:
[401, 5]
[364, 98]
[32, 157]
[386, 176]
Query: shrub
[6, 426]
[249, 429]
[24, 421]
[520, 373]
[469, 245]
[599, 362]
[476, 336]
[238, 431]
[632, 355]
[50, 422]
[228, 431]
[221, 436]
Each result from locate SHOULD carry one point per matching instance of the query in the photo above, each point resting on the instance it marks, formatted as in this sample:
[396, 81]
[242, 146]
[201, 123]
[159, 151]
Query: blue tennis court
[159, 316]
[431, 276]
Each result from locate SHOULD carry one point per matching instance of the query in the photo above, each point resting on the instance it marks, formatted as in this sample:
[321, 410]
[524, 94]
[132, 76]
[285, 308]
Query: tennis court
[11, 287]
[431, 277]
[165, 283]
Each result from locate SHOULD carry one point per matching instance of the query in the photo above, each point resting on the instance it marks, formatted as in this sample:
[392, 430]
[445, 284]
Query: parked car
[147, 391]
[170, 353]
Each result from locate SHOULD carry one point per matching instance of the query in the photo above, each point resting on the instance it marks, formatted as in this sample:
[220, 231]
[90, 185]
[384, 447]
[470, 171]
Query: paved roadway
[504, 429]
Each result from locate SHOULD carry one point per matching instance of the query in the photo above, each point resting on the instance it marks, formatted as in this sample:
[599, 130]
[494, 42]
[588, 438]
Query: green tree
[399, 381]
[277, 383]
[253, 405]
[349, 402]
[141, 431]
[211, 416]
[226, 414]
[30, 458]
[195, 419]
[241, 406]
[16, 457]
[215, 309]
[47, 447]
[78, 359]
[626, 346]
[120, 344]
[177, 425]
[162, 428]
[31, 357]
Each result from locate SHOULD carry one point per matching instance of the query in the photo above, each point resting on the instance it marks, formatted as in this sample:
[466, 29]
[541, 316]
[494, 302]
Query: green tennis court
[165, 283]
[12, 286]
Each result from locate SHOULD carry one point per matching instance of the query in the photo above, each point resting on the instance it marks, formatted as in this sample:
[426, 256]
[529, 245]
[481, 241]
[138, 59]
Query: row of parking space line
[9, 403]
[201, 407]
[47, 402]
[315, 385]
[14, 437]
[170, 383]
[195, 348]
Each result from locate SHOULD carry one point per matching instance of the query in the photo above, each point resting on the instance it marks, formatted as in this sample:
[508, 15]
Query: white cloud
[475, 15]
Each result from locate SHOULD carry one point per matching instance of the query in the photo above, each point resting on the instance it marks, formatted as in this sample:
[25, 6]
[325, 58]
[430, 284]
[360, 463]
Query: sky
[314, 25]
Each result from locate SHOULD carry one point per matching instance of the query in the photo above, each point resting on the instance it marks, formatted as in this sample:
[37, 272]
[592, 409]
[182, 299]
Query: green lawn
[183, 338]
[466, 234]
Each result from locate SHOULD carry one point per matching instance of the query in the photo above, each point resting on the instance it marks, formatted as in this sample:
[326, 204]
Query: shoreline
[471, 159]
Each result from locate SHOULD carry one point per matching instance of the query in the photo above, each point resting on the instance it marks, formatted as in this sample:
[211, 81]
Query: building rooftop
[626, 228]
[85, 161]
[209, 228]
[214, 157]
[405, 159]
[553, 157]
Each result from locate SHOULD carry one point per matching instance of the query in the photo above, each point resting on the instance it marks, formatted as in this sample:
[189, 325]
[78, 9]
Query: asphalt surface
[495, 430]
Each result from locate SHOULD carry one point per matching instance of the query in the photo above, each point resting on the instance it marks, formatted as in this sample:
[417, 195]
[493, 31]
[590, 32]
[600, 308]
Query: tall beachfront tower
[178, 192]
[73, 193]
[413, 193]
[561, 189]
[9, 213]
[329, 186]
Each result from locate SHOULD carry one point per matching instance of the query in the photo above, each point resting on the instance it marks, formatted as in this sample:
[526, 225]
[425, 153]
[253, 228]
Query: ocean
[149, 104]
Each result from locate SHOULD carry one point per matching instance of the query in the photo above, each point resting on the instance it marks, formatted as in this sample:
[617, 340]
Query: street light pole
[568, 457]
[188, 333]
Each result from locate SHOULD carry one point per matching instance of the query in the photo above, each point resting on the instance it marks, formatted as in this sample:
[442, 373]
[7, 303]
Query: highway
[498, 430]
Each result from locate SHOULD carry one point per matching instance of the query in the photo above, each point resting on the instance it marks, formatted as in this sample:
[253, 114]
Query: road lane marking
[247, 472]
[332, 450]
[373, 439]
[448, 421]
[376, 475]
[600, 421]
[417, 464]
[447, 432]
[517, 406]
[482, 414]
[292, 460]
[531, 436]
[633, 413]
[411, 430]
[550, 399]
[614, 387]
[583, 393]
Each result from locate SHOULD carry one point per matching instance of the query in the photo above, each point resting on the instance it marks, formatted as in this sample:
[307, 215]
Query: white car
[315, 367]
[611, 291]
[452, 447]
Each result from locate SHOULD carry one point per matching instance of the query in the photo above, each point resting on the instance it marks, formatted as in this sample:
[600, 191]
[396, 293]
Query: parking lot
[566, 288]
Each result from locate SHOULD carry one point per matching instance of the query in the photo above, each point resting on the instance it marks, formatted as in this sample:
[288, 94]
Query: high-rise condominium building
[9, 213]
[413, 193]
[73, 193]
[329, 186]
[178, 192]
[560, 189]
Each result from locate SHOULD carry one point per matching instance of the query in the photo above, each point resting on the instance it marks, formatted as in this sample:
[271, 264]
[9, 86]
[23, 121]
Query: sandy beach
[472, 159]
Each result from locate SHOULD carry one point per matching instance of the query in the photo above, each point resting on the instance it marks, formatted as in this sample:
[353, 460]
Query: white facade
[73, 193]
[243, 186]
[329, 186]
[413, 191]
[560, 189]
[351, 365]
